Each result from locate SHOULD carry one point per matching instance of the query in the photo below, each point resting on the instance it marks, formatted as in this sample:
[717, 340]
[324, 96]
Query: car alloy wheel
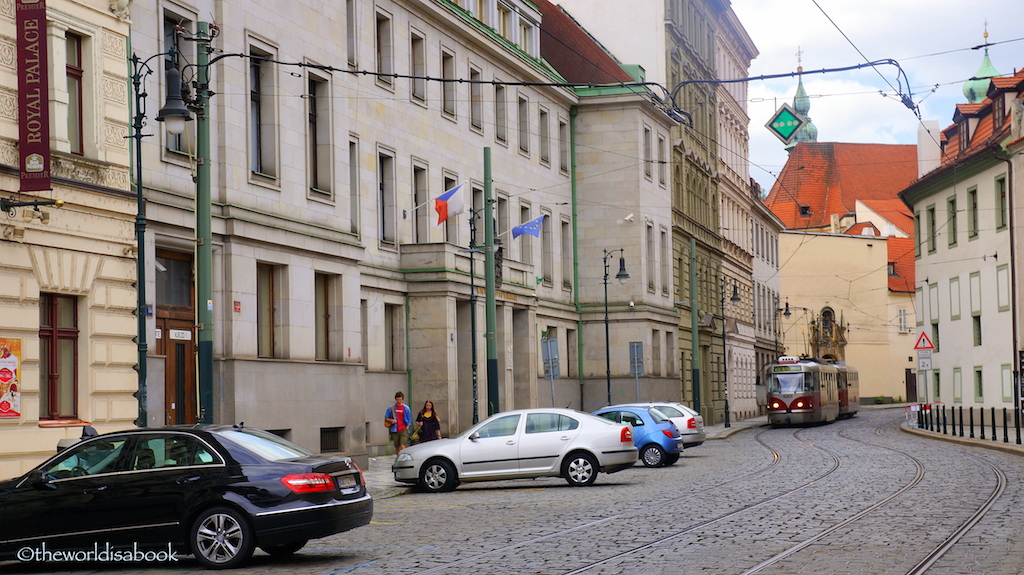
[221, 538]
[438, 476]
[653, 456]
[580, 469]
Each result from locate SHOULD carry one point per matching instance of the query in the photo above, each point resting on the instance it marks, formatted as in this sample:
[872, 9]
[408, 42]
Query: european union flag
[531, 227]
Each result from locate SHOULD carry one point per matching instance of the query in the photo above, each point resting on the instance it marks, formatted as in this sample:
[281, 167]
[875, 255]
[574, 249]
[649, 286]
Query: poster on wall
[10, 384]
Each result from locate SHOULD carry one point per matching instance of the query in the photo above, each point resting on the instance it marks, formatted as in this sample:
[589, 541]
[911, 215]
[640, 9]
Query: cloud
[931, 40]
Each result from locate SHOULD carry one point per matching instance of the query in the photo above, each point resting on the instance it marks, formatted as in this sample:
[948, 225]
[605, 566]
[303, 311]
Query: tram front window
[787, 383]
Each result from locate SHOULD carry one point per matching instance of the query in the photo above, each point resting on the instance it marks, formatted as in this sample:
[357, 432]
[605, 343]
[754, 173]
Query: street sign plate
[923, 342]
[786, 123]
[924, 363]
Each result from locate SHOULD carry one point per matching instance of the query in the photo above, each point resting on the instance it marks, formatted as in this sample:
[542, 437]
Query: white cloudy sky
[931, 40]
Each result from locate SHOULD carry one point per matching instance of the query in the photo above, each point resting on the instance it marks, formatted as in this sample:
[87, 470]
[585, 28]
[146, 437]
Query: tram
[801, 391]
[849, 391]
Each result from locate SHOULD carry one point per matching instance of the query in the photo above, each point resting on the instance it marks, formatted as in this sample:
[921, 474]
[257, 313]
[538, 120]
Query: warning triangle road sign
[923, 342]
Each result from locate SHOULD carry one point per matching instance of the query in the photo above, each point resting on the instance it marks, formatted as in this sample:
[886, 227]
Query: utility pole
[694, 325]
[204, 235]
[493, 400]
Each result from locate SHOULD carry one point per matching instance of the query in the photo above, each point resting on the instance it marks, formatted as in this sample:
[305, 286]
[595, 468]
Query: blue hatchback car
[654, 434]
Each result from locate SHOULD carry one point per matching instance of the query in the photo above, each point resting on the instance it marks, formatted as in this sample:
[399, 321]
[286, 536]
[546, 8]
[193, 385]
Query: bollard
[1006, 432]
[945, 430]
[970, 412]
[981, 418]
[961, 421]
[995, 436]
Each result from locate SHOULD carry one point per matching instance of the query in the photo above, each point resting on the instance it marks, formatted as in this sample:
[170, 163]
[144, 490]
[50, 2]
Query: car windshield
[261, 443]
[787, 383]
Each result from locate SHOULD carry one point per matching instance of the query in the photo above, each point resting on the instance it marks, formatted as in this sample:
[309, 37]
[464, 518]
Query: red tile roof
[901, 254]
[573, 52]
[863, 229]
[984, 133]
[829, 177]
[895, 211]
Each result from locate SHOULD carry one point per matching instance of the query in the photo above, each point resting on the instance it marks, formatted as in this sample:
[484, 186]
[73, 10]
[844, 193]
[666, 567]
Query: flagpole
[493, 402]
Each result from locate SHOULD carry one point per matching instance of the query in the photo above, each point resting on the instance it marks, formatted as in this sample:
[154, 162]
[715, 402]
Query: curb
[1011, 448]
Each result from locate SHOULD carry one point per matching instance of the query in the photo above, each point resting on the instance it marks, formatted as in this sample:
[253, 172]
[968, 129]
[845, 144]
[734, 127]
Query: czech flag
[449, 203]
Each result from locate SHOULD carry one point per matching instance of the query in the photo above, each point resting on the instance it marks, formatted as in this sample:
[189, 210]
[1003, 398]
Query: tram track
[776, 458]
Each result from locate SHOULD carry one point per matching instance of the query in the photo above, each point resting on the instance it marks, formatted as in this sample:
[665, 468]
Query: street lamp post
[175, 114]
[735, 299]
[472, 307]
[622, 276]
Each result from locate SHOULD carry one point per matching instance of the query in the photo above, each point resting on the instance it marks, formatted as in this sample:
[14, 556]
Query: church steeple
[802, 104]
[976, 88]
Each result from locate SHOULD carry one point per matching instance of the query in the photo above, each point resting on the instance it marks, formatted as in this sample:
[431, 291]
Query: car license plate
[346, 481]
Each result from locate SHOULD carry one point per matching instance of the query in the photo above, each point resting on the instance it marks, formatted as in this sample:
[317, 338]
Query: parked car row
[552, 442]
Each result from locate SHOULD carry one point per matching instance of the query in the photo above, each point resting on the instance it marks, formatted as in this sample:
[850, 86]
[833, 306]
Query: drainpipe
[573, 112]
[1001, 155]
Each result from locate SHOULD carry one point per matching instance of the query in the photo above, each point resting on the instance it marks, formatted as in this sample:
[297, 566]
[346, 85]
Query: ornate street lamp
[622, 276]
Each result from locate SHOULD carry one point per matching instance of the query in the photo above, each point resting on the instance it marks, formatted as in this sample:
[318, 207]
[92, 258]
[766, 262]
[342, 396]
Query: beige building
[837, 304]
[67, 273]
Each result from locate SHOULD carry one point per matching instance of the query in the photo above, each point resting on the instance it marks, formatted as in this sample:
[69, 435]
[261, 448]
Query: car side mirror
[474, 436]
[43, 481]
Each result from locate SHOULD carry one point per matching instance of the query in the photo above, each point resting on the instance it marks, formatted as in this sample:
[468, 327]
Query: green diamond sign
[786, 123]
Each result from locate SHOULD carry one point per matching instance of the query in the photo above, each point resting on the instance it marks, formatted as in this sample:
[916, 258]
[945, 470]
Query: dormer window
[998, 111]
[805, 211]
[964, 136]
[892, 270]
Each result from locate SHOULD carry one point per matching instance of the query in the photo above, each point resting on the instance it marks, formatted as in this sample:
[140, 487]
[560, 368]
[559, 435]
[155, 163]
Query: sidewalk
[382, 485]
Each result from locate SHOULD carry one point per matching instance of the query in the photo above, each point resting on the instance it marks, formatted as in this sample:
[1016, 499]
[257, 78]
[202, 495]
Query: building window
[805, 211]
[972, 213]
[382, 42]
[651, 256]
[964, 138]
[353, 185]
[935, 336]
[931, 228]
[979, 387]
[451, 228]
[951, 221]
[75, 75]
[901, 320]
[547, 253]
[386, 205]
[481, 10]
[1002, 212]
[563, 147]
[666, 258]
[261, 114]
[265, 312]
[524, 124]
[332, 439]
[525, 240]
[421, 197]
[418, 49]
[526, 29]
[976, 324]
[566, 254]
[448, 93]
[544, 130]
[648, 158]
[58, 356]
[500, 114]
[937, 388]
[318, 137]
[351, 31]
[393, 330]
[322, 313]
[504, 18]
[476, 118]
[662, 161]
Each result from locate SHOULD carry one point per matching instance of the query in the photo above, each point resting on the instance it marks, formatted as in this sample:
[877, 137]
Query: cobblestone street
[856, 496]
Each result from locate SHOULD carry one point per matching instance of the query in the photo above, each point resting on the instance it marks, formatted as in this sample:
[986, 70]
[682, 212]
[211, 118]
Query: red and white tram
[801, 391]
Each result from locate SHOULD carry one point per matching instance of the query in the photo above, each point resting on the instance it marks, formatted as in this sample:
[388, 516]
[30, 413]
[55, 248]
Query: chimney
[928, 150]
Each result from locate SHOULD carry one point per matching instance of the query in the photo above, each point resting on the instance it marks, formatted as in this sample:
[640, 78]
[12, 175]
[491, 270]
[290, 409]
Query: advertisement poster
[10, 384]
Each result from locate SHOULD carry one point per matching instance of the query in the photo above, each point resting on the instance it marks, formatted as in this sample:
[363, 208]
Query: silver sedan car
[689, 422]
[520, 444]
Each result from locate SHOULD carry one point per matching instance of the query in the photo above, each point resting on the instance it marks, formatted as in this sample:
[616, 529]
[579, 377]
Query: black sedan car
[214, 491]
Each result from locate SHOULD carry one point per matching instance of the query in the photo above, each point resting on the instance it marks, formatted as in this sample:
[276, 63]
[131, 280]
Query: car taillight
[776, 404]
[308, 482]
[668, 433]
[626, 435]
[692, 424]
